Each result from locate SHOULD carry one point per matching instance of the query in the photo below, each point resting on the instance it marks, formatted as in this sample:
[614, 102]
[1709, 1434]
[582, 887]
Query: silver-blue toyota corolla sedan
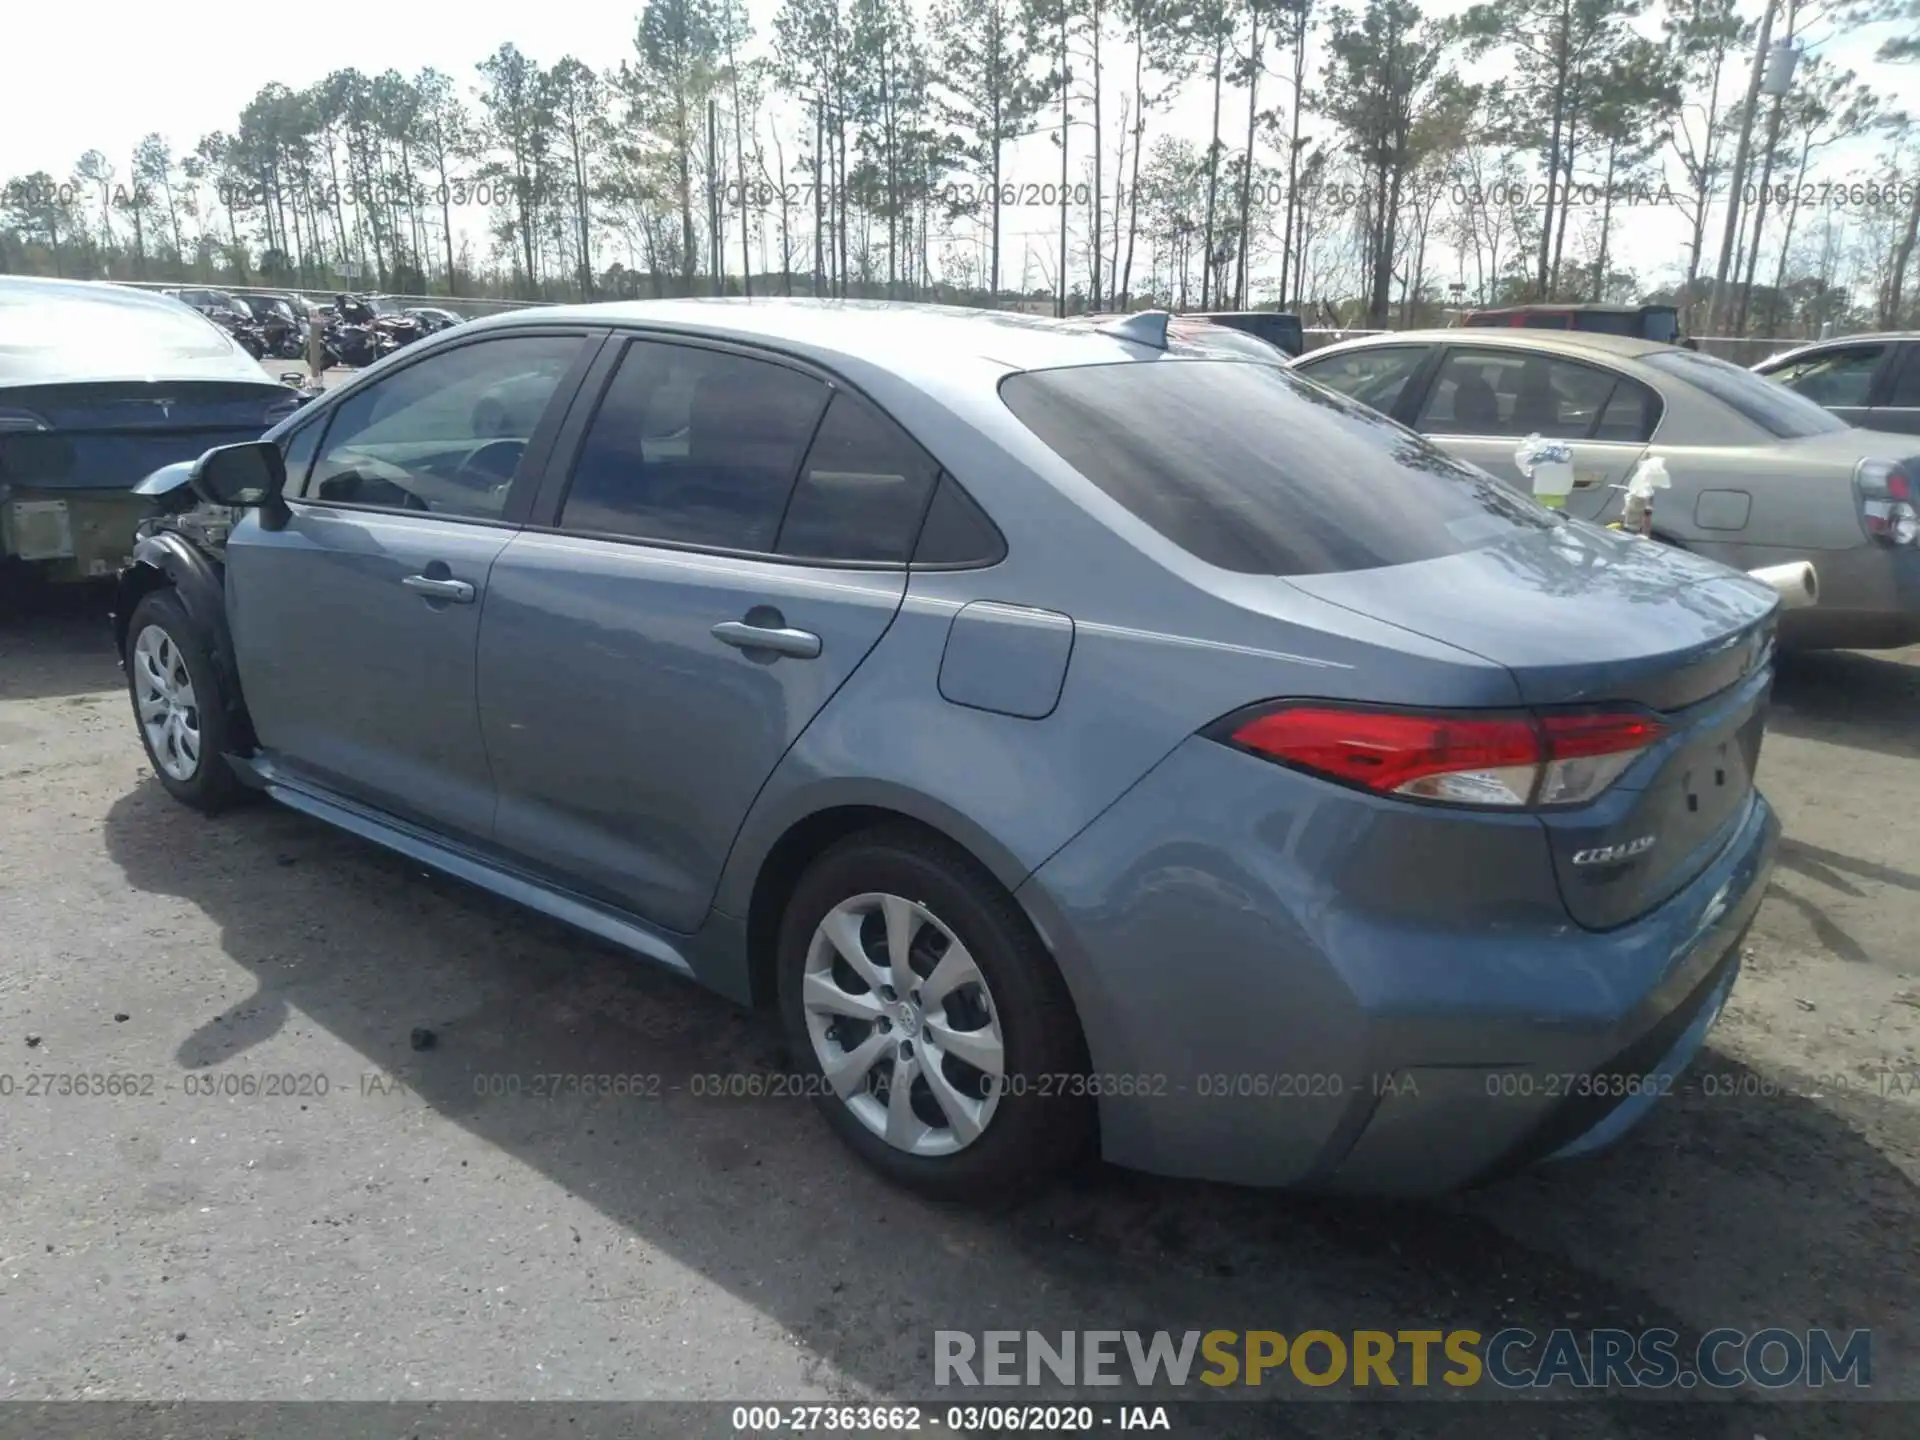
[1077, 732]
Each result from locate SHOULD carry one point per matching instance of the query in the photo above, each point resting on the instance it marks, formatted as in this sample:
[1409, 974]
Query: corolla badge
[1609, 854]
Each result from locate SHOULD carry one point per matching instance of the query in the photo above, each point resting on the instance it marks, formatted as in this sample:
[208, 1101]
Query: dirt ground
[411, 1234]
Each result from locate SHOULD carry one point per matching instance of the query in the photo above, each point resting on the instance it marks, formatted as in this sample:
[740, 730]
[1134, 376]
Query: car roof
[920, 343]
[1557, 307]
[95, 292]
[1871, 337]
[1563, 342]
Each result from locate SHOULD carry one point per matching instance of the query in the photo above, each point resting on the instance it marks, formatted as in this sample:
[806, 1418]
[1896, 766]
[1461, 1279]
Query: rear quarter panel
[1161, 646]
[1787, 505]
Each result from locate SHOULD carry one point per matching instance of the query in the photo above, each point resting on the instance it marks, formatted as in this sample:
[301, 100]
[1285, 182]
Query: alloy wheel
[169, 712]
[903, 1024]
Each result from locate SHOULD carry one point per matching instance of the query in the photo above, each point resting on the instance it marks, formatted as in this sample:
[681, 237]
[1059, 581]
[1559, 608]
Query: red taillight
[1886, 501]
[1488, 759]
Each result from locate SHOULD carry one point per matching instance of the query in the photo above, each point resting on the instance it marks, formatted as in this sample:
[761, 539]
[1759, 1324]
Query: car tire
[178, 704]
[1036, 1121]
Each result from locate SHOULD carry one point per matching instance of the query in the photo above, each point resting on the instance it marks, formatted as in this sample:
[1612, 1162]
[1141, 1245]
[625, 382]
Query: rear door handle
[801, 644]
[436, 588]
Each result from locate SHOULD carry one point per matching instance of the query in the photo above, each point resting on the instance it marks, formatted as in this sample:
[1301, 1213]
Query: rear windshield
[1255, 470]
[1768, 404]
[44, 332]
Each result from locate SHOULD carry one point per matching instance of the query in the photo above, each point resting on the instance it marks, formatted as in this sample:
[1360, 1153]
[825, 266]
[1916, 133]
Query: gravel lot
[405, 1237]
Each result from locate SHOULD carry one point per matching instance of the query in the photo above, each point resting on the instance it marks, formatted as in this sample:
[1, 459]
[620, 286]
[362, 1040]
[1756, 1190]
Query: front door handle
[440, 588]
[801, 644]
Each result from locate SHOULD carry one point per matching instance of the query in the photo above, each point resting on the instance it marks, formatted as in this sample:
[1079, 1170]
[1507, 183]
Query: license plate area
[40, 530]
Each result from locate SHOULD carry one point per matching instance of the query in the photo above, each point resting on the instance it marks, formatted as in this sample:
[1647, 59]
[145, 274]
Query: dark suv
[1271, 326]
[1640, 322]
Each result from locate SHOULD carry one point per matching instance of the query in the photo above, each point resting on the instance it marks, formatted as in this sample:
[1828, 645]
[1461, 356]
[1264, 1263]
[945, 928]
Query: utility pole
[713, 199]
[1739, 175]
[819, 196]
[1066, 100]
[1779, 81]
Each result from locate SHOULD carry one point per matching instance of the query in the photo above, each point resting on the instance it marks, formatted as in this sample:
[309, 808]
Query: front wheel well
[136, 582]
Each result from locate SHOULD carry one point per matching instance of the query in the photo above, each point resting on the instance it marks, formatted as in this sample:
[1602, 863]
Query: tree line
[1351, 169]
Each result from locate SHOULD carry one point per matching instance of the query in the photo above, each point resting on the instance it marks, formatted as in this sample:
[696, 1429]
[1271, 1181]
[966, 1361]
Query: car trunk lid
[112, 435]
[1581, 617]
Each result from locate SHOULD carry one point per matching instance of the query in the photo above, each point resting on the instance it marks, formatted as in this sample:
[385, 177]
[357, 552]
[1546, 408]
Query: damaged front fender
[163, 557]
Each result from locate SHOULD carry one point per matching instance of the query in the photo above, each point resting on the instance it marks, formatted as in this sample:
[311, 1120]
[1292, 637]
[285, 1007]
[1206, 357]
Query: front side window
[1520, 392]
[445, 434]
[1833, 377]
[1774, 408]
[694, 447]
[1375, 377]
[1251, 469]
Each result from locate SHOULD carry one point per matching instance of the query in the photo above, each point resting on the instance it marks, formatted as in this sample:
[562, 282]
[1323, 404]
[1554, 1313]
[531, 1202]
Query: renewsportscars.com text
[1507, 1359]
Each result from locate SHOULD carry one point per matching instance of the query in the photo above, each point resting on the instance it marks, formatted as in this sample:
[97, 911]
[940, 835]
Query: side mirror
[242, 476]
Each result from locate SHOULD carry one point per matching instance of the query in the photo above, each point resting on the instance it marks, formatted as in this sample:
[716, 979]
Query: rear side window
[1248, 468]
[1525, 392]
[1774, 408]
[957, 531]
[862, 491]
[1376, 376]
[694, 447]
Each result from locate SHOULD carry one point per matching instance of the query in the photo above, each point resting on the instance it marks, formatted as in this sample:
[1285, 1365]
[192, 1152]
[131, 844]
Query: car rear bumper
[1248, 1022]
[1869, 599]
[71, 534]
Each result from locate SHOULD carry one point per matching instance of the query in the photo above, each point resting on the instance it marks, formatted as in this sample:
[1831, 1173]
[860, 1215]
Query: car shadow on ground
[1860, 699]
[55, 641]
[1735, 1204]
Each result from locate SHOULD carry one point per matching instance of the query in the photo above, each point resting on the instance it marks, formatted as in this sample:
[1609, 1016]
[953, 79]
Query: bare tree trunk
[1288, 267]
[1553, 148]
[819, 199]
[1139, 140]
[840, 130]
[1093, 298]
[1902, 254]
[786, 220]
[1246, 176]
[1119, 168]
[1066, 105]
[1786, 240]
[1606, 223]
[1213, 155]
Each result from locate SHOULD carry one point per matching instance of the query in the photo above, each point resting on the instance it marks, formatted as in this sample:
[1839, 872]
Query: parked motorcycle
[282, 330]
[401, 328]
[250, 335]
[357, 346]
